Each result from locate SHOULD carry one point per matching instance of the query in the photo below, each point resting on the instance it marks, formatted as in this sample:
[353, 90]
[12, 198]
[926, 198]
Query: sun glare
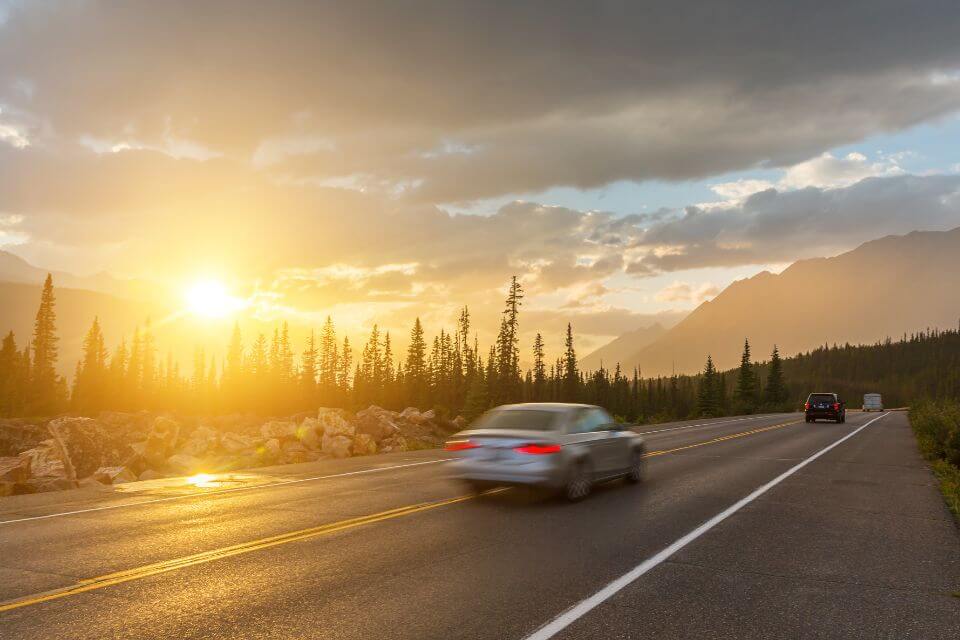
[210, 299]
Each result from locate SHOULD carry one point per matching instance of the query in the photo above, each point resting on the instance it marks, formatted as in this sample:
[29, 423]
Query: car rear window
[822, 397]
[523, 419]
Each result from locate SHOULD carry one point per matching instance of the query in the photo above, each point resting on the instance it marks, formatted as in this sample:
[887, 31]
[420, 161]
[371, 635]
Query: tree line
[268, 375]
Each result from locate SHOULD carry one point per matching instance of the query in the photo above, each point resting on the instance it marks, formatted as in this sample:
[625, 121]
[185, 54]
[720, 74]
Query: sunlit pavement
[858, 543]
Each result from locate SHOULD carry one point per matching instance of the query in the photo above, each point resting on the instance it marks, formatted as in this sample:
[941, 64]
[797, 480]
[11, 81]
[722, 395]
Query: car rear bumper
[535, 473]
[824, 415]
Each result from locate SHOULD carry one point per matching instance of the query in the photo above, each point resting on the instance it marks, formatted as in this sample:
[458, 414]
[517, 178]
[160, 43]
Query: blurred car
[825, 406]
[567, 447]
[872, 402]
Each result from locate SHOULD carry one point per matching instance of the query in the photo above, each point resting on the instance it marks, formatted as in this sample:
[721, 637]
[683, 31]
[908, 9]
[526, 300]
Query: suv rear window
[822, 397]
[523, 419]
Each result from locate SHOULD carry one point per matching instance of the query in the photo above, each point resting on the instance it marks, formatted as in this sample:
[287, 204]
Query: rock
[201, 441]
[150, 474]
[84, 445]
[459, 423]
[43, 484]
[113, 475]
[44, 460]
[279, 430]
[183, 464]
[272, 449]
[334, 423]
[337, 446]
[236, 443]
[377, 422]
[394, 443]
[14, 469]
[161, 441]
[294, 451]
[364, 445]
[17, 435]
[309, 433]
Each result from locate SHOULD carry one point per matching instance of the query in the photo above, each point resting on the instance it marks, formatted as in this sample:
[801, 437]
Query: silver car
[552, 445]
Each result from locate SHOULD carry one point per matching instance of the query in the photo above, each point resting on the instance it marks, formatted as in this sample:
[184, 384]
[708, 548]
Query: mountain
[883, 288]
[630, 342]
[13, 268]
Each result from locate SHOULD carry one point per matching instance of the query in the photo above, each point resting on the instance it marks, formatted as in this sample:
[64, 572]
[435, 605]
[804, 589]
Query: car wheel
[579, 483]
[635, 472]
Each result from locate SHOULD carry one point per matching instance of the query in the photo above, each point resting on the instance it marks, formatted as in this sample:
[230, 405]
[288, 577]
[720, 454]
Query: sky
[378, 161]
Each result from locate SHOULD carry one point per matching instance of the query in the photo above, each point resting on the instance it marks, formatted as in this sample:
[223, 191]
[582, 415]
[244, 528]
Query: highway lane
[500, 566]
[56, 550]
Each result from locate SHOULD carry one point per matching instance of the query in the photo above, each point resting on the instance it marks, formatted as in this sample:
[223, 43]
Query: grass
[937, 427]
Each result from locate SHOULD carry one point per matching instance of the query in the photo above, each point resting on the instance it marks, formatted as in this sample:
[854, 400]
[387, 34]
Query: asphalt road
[736, 533]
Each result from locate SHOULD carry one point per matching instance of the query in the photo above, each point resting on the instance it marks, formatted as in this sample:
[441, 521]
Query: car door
[596, 429]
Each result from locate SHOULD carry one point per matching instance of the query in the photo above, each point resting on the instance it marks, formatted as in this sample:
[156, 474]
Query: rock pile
[118, 447]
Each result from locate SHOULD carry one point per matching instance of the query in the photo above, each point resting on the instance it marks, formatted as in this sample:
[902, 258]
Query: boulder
[309, 433]
[17, 435]
[272, 449]
[14, 469]
[294, 451]
[161, 441]
[337, 446]
[364, 445]
[84, 445]
[150, 474]
[236, 443]
[459, 423]
[279, 429]
[334, 423]
[113, 475]
[201, 441]
[394, 443]
[183, 464]
[378, 423]
[45, 459]
[42, 484]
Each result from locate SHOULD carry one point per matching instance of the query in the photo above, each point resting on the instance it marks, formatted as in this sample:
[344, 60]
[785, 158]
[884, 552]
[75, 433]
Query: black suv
[827, 406]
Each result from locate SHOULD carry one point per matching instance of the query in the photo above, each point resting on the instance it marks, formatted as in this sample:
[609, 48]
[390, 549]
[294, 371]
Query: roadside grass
[937, 427]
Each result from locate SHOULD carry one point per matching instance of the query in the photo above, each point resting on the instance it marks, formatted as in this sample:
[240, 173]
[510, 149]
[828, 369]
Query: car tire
[637, 466]
[579, 482]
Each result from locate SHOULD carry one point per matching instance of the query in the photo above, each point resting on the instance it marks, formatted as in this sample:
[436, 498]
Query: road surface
[744, 528]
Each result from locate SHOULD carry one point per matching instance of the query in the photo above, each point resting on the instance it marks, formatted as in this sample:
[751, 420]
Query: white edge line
[705, 424]
[582, 608]
[222, 491]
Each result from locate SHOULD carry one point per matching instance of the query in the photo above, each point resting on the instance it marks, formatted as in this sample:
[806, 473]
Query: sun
[210, 299]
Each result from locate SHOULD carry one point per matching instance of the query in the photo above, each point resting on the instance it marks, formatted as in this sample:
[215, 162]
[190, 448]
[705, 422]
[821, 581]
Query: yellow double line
[144, 571]
[137, 573]
[732, 436]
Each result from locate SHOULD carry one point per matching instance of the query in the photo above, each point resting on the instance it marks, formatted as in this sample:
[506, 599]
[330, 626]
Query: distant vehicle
[566, 447]
[872, 402]
[826, 406]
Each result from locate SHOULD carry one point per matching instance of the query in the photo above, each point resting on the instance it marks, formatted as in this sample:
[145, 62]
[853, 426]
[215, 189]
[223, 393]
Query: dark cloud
[452, 101]
[775, 226]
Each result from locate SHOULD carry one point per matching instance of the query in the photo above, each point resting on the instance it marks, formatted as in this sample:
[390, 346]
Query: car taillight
[836, 406]
[538, 449]
[806, 406]
[460, 445]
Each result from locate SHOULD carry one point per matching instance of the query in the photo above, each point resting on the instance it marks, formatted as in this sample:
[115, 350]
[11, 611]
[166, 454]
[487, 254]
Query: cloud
[775, 226]
[686, 292]
[828, 171]
[422, 103]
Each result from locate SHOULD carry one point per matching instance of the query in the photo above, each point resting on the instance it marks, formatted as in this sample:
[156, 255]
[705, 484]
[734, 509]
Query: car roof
[823, 393]
[546, 406]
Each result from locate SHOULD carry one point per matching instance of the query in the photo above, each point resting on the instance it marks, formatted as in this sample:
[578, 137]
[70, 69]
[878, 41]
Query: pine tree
[745, 391]
[708, 396]
[571, 376]
[775, 394]
[539, 378]
[9, 369]
[308, 371]
[416, 366]
[90, 382]
[43, 382]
